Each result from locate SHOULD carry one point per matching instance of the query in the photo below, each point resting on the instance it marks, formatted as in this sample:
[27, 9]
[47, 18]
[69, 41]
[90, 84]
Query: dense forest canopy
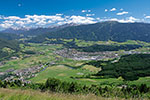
[129, 67]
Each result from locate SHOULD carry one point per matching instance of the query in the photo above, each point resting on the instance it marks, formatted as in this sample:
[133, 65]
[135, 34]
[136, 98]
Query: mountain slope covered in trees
[9, 36]
[103, 31]
[129, 67]
[8, 48]
[8, 44]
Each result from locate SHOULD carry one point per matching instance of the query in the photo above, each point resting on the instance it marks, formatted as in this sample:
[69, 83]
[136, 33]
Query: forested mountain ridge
[8, 48]
[103, 31]
[8, 45]
[9, 41]
[9, 36]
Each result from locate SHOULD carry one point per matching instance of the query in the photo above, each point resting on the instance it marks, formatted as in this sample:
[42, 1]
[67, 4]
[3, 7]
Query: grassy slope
[60, 72]
[11, 94]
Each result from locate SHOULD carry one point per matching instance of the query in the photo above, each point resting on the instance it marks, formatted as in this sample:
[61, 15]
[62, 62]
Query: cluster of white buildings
[76, 55]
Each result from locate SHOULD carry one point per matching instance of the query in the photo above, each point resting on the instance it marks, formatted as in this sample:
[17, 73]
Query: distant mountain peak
[23, 30]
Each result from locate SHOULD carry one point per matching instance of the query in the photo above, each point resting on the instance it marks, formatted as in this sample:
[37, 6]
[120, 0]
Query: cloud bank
[30, 21]
[130, 19]
[34, 21]
[147, 17]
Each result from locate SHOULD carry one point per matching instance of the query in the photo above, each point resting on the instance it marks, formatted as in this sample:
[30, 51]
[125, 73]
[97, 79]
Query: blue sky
[43, 13]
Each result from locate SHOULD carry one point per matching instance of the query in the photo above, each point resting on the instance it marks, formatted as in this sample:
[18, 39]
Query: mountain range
[36, 31]
[103, 31]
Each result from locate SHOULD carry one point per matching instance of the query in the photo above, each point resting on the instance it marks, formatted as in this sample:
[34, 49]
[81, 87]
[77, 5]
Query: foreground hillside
[103, 31]
[11, 94]
[17, 94]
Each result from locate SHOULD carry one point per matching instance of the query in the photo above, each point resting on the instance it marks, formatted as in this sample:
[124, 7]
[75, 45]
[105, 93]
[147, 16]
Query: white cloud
[83, 11]
[128, 20]
[113, 19]
[6, 25]
[41, 23]
[122, 13]
[106, 10]
[50, 21]
[113, 9]
[90, 14]
[133, 18]
[147, 17]
[45, 17]
[61, 23]
[19, 23]
[59, 14]
[98, 18]
[89, 11]
[12, 18]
